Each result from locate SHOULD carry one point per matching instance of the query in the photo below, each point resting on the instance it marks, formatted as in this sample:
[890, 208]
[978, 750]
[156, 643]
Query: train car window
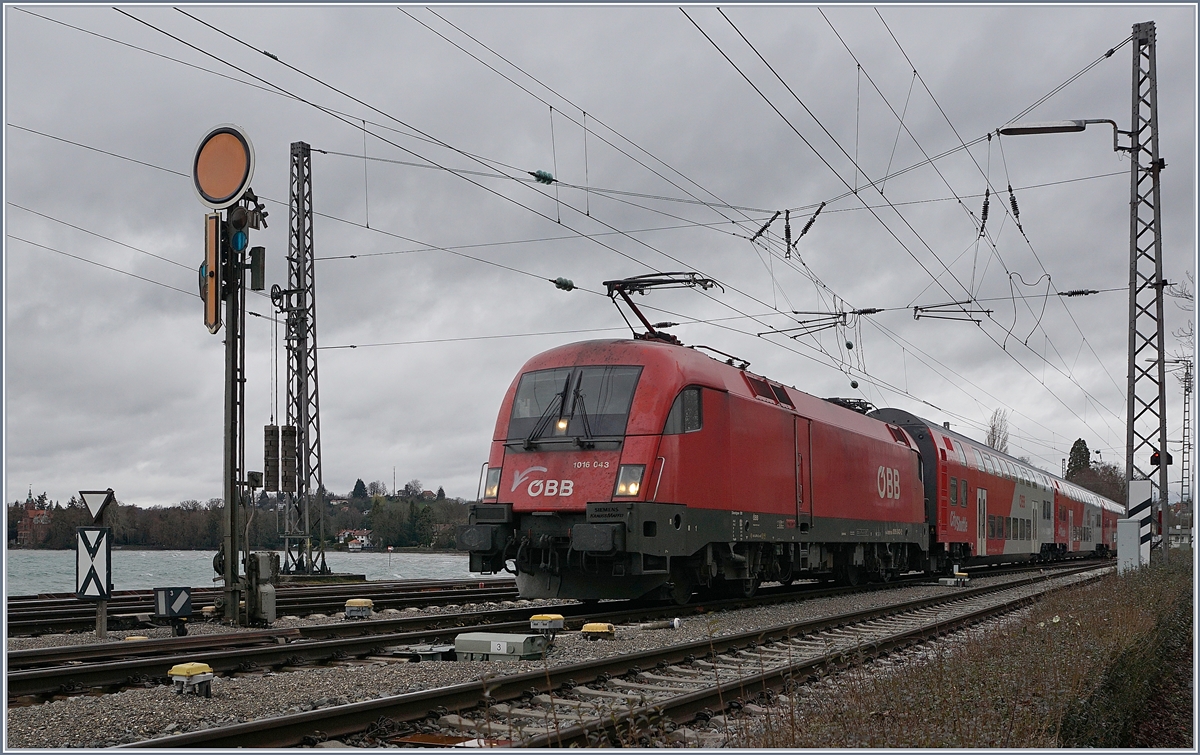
[1008, 528]
[962, 494]
[991, 526]
[954, 492]
[686, 415]
[987, 463]
[760, 387]
[978, 458]
[782, 396]
[594, 400]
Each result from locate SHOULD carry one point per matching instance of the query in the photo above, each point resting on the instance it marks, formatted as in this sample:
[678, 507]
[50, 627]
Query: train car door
[1073, 543]
[981, 526]
[803, 478]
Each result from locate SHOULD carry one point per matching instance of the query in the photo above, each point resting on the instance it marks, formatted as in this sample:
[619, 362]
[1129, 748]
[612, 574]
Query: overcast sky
[113, 381]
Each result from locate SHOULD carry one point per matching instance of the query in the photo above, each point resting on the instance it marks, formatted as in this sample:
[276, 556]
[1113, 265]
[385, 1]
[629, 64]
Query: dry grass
[1104, 665]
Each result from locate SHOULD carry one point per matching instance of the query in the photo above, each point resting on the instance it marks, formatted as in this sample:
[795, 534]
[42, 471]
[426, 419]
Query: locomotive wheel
[682, 586]
[850, 575]
[681, 592]
[741, 588]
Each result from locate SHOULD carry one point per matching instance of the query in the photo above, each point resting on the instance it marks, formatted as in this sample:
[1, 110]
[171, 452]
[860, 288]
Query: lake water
[29, 572]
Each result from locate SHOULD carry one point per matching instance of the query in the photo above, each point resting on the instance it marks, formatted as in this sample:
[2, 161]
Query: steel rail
[36, 622]
[111, 665]
[342, 720]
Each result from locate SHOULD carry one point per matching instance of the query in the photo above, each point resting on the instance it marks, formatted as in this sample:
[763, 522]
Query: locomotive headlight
[491, 488]
[629, 479]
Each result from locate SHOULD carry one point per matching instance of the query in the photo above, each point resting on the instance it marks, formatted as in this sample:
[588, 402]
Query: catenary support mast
[1146, 420]
[305, 520]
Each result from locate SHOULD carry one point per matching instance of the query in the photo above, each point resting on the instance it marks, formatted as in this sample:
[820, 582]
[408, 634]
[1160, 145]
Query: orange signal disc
[223, 166]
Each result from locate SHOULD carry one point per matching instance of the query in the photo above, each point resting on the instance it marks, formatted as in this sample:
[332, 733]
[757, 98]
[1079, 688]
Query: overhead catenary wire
[832, 210]
[962, 143]
[1022, 114]
[343, 220]
[348, 122]
[150, 165]
[636, 146]
[817, 153]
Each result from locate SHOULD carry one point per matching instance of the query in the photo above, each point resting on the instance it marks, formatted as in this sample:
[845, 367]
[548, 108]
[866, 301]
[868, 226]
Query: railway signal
[210, 272]
[223, 166]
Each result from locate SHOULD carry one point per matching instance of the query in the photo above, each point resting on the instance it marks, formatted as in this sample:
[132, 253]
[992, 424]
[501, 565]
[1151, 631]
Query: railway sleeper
[504, 709]
[579, 705]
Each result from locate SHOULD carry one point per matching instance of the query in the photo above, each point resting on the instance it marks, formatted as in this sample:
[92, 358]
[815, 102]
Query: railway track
[616, 699]
[113, 665]
[110, 666]
[30, 615]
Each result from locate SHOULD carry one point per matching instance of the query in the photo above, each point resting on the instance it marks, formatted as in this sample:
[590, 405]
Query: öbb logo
[887, 482]
[551, 488]
[543, 487]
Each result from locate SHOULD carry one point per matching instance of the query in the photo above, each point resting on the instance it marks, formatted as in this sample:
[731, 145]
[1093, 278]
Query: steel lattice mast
[1146, 420]
[305, 511]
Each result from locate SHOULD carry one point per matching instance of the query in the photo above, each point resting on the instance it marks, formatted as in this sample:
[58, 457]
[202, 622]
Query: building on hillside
[34, 526]
[355, 540]
[428, 495]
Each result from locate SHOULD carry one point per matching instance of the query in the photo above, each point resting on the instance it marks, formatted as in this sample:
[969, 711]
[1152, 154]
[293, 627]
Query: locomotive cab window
[573, 402]
[686, 415]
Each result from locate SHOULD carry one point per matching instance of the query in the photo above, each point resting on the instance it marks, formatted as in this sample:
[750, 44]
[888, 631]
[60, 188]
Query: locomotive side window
[954, 492]
[686, 415]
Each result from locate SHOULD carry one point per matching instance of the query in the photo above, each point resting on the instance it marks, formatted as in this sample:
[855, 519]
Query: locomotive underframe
[640, 549]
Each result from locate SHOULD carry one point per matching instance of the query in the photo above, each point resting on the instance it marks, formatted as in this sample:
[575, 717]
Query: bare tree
[1184, 294]
[997, 435]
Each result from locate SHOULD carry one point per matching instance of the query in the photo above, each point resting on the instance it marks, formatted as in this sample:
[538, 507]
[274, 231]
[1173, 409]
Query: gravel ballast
[143, 713]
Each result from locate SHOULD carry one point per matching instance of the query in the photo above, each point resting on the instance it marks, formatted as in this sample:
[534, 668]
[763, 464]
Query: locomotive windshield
[573, 402]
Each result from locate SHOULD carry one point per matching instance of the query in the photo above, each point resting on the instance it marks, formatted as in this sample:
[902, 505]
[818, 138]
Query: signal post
[221, 171]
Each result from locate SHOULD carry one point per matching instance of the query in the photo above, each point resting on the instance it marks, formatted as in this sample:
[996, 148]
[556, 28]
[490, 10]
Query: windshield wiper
[580, 402]
[544, 420]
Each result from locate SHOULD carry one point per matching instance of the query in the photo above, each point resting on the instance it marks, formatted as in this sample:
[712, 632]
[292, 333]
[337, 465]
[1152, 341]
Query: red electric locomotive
[622, 467]
[632, 468]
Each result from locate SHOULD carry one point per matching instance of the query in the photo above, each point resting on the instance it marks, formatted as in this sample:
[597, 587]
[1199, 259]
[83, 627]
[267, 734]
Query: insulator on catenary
[542, 176]
[987, 196]
[810, 221]
[766, 225]
[787, 234]
[566, 284]
[1012, 200]
[1079, 292]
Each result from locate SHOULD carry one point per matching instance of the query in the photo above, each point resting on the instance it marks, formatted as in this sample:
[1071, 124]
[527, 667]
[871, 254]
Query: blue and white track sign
[93, 563]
